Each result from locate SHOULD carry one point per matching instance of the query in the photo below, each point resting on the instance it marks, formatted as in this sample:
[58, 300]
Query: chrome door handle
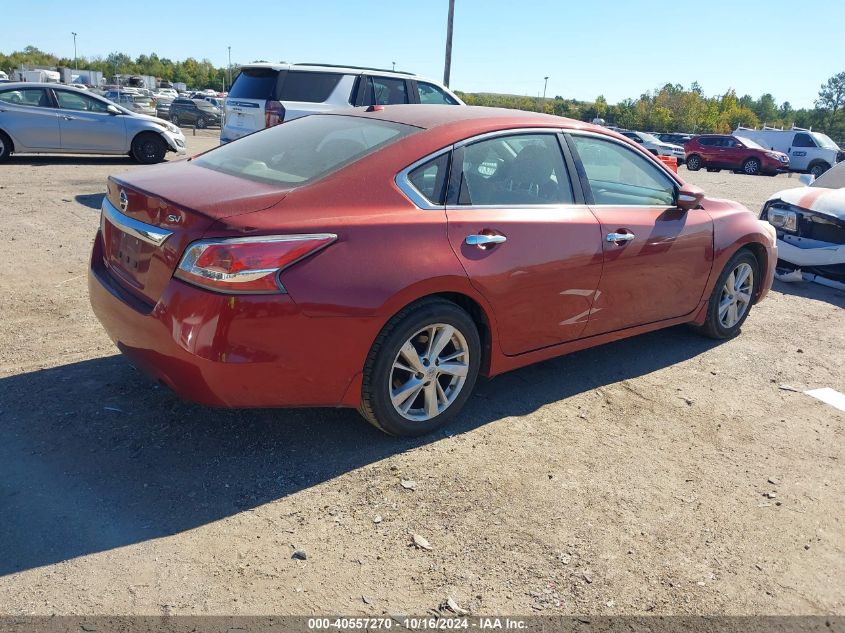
[484, 239]
[69, 118]
[620, 237]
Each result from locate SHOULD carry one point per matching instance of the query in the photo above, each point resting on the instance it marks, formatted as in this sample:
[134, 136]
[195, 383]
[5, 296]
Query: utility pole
[394, 65]
[447, 69]
[75, 63]
[229, 67]
[545, 85]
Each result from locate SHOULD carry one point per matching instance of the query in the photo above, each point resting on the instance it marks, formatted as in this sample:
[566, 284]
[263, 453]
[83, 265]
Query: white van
[264, 95]
[808, 151]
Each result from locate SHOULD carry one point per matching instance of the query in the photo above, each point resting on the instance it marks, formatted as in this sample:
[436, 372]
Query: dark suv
[197, 112]
[739, 154]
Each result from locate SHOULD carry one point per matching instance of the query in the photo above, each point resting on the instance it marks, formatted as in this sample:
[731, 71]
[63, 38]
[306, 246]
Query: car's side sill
[501, 363]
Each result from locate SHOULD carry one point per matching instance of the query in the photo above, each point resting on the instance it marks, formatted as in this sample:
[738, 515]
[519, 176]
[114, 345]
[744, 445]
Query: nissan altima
[383, 259]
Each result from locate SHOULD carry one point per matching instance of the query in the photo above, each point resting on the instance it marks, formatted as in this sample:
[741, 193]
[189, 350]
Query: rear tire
[694, 163]
[174, 119]
[5, 147]
[406, 391]
[751, 167]
[730, 302]
[148, 148]
[818, 169]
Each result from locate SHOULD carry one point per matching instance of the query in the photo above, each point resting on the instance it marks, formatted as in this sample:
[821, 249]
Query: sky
[615, 48]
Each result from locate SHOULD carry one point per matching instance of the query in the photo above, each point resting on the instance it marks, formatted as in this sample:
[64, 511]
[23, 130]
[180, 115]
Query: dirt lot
[629, 478]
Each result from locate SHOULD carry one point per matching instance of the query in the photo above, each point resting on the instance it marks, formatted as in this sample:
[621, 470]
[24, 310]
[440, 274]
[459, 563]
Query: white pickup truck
[809, 152]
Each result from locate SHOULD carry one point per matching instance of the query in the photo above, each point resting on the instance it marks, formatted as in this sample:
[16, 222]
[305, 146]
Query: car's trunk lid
[151, 216]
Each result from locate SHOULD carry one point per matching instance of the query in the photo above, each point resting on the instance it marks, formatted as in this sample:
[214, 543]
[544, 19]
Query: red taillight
[246, 264]
[274, 113]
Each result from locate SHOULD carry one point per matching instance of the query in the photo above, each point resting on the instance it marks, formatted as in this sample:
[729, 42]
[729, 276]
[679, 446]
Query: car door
[801, 151]
[527, 243]
[86, 124]
[29, 116]
[656, 257]
[733, 153]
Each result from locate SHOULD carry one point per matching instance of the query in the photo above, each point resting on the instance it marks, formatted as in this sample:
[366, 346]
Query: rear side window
[620, 176]
[255, 83]
[707, 142]
[304, 149]
[310, 87]
[433, 95]
[26, 96]
[803, 140]
[430, 179]
[386, 91]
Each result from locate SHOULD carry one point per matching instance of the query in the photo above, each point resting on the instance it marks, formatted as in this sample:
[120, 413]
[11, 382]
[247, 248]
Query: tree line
[671, 108]
[194, 73]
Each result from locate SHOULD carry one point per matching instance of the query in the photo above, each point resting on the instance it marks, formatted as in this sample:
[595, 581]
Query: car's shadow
[90, 200]
[93, 456]
[43, 160]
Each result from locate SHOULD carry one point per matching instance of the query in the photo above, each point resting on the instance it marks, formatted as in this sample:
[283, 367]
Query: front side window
[386, 91]
[430, 179]
[27, 97]
[431, 94]
[73, 101]
[803, 140]
[620, 176]
[304, 149]
[523, 169]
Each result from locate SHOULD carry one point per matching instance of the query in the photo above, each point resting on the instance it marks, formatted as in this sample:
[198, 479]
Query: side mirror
[689, 197]
[111, 109]
[806, 179]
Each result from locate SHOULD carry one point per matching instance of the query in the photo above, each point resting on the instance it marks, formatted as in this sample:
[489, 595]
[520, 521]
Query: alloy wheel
[735, 298]
[751, 167]
[429, 372]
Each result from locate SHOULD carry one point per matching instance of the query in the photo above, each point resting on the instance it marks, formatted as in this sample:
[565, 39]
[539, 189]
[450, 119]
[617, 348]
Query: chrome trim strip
[145, 232]
[510, 132]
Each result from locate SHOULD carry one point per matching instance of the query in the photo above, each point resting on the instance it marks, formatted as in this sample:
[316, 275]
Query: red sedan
[384, 259]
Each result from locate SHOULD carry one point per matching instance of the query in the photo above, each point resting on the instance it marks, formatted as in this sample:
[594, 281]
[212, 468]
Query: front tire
[694, 163]
[201, 123]
[174, 119]
[421, 369]
[732, 296]
[751, 167]
[148, 148]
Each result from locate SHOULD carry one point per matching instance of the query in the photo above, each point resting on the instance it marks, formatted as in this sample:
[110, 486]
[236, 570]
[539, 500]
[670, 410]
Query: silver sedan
[43, 118]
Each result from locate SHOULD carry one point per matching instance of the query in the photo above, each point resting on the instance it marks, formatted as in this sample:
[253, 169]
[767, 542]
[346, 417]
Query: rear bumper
[232, 351]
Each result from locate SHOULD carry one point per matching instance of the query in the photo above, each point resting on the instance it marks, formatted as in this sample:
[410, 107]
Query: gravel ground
[664, 474]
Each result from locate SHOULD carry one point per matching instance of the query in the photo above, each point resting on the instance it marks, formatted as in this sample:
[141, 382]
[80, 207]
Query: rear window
[310, 87]
[255, 83]
[304, 149]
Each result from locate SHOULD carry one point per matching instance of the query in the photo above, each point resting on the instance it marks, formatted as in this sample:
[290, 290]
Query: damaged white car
[810, 224]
